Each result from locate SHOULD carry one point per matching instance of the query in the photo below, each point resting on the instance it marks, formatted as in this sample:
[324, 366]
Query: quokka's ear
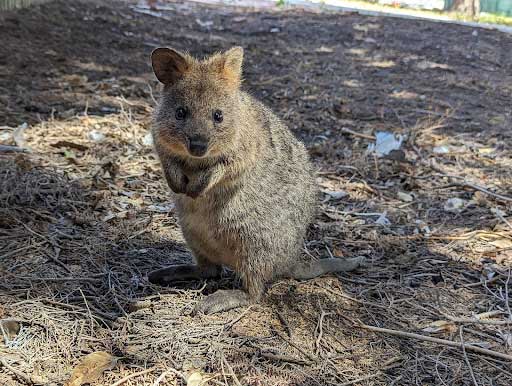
[230, 65]
[169, 65]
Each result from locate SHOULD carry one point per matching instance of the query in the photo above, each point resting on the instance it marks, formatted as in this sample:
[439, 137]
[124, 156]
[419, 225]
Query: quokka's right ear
[169, 65]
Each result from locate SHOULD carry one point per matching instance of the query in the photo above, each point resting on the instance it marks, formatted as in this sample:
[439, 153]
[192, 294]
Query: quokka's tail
[312, 269]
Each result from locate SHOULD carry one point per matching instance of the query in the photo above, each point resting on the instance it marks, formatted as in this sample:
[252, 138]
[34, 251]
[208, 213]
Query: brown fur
[247, 202]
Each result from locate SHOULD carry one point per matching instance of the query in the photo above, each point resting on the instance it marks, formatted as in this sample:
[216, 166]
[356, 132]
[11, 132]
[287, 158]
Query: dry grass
[82, 222]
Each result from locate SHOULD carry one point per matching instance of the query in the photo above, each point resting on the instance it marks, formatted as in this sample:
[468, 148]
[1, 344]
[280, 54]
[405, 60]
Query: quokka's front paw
[177, 182]
[196, 187]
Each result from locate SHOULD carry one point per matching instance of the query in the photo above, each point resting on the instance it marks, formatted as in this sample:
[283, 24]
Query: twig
[19, 374]
[88, 309]
[237, 319]
[284, 323]
[151, 94]
[346, 130]
[507, 303]
[128, 377]
[365, 378]
[284, 358]
[320, 329]
[475, 320]
[466, 359]
[12, 149]
[362, 302]
[293, 344]
[437, 340]
[233, 375]
[500, 216]
[57, 261]
[465, 184]
[164, 374]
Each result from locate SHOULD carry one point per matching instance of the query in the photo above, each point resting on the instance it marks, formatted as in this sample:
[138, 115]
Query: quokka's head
[199, 111]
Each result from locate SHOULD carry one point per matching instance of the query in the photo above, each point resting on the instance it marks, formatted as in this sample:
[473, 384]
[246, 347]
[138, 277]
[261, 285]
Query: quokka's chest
[207, 233]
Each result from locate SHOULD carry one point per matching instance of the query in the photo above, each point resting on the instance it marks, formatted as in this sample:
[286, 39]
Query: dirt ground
[85, 215]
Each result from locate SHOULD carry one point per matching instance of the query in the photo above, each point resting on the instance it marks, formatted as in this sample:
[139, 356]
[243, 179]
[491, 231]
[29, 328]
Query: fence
[499, 7]
[6, 5]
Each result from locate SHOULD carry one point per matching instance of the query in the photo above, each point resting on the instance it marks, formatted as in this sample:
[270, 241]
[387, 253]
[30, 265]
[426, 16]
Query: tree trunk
[467, 7]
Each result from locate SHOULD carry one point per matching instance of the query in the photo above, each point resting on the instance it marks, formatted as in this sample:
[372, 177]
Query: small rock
[6, 137]
[498, 212]
[96, 136]
[148, 140]
[405, 197]
[454, 205]
[441, 150]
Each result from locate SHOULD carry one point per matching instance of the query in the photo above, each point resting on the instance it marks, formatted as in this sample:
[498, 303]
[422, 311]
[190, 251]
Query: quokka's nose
[197, 146]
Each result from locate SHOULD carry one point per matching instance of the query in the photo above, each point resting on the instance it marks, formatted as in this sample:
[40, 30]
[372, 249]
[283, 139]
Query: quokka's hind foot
[183, 272]
[312, 269]
[222, 300]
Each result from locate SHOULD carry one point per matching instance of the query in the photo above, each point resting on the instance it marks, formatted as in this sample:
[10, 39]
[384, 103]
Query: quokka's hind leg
[312, 269]
[183, 272]
[224, 300]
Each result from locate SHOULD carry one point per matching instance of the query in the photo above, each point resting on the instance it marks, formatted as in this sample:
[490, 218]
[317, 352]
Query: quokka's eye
[217, 116]
[180, 113]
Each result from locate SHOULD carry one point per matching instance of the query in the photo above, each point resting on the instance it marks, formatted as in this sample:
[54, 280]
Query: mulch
[85, 213]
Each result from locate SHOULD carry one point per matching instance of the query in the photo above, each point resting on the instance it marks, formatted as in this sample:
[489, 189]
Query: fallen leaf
[91, 368]
[441, 326]
[195, 379]
[9, 329]
[161, 208]
[324, 50]
[383, 220]
[335, 195]
[502, 243]
[69, 154]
